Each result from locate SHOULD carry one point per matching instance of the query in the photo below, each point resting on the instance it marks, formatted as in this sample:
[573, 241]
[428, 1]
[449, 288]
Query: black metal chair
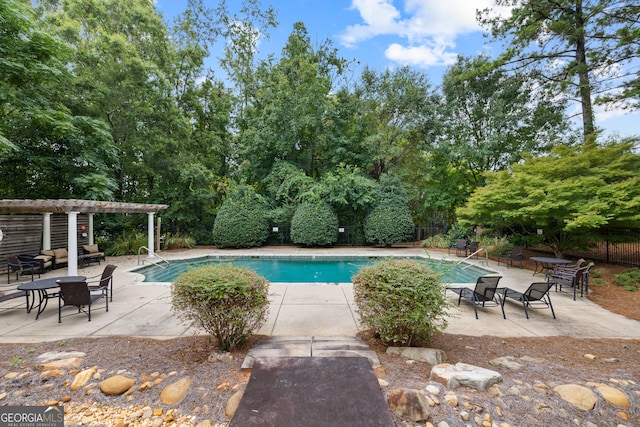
[536, 296]
[78, 294]
[514, 255]
[484, 294]
[18, 265]
[572, 278]
[106, 280]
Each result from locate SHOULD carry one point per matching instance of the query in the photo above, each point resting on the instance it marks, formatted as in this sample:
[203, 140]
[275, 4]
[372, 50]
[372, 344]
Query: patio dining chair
[105, 281]
[78, 294]
[509, 258]
[19, 266]
[575, 279]
[484, 294]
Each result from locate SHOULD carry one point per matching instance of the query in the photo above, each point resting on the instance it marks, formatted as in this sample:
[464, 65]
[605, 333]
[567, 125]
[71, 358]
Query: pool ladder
[154, 263]
[486, 262]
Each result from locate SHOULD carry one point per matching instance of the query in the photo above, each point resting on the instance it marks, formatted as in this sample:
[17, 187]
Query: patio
[144, 309]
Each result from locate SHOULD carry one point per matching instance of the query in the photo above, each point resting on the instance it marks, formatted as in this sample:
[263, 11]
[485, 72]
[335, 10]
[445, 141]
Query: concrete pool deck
[143, 309]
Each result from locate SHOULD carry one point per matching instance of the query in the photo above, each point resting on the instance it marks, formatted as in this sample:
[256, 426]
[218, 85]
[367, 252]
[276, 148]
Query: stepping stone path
[282, 346]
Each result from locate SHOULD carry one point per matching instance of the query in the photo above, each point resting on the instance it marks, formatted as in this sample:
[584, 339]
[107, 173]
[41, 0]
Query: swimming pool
[301, 269]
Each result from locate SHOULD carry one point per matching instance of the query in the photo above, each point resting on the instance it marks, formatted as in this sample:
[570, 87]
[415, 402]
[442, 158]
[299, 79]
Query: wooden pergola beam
[75, 205]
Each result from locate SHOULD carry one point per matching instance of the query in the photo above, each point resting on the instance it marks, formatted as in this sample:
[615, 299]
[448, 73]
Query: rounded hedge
[401, 300]
[389, 223]
[241, 222]
[227, 301]
[314, 224]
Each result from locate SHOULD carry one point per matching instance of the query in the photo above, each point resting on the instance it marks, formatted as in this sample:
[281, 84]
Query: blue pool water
[305, 269]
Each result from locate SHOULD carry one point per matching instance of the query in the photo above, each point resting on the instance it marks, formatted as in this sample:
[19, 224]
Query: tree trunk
[584, 84]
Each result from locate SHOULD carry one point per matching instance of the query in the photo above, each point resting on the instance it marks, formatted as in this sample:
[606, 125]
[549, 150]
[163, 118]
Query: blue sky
[424, 34]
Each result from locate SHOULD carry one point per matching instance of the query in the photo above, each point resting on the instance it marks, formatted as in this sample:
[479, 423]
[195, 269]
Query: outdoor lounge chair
[514, 255]
[536, 296]
[576, 279]
[484, 293]
[106, 280]
[18, 265]
[78, 294]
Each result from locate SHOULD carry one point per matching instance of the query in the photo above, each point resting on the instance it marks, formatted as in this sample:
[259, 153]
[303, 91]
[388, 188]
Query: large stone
[116, 385]
[462, 374]
[613, 396]
[409, 404]
[430, 355]
[68, 363]
[232, 404]
[508, 362]
[174, 393]
[577, 395]
[82, 378]
[57, 355]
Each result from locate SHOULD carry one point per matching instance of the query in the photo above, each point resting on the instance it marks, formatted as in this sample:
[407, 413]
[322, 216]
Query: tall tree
[50, 149]
[399, 110]
[581, 48]
[492, 118]
[287, 117]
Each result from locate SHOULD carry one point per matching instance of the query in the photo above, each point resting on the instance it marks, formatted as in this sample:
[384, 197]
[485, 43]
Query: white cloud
[422, 56]
[430, 27]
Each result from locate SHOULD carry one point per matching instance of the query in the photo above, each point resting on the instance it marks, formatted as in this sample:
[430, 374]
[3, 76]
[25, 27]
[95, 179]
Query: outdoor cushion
[60, 254]
[92, 249]
[48, 252]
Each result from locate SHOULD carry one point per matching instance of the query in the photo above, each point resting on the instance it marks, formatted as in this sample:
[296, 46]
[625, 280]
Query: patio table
[547, 264]
[41, 288]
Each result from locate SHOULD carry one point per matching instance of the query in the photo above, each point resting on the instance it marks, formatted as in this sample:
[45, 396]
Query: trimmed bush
[242, 221]
[390, 220]
[228, 302]
[314, 224]
[628, 279]
[389, 223]
[402, 300]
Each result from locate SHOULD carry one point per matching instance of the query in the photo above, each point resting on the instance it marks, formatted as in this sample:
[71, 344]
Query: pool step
[317, 346]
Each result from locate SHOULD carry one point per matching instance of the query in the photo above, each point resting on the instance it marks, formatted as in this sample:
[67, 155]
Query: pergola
[73, 207]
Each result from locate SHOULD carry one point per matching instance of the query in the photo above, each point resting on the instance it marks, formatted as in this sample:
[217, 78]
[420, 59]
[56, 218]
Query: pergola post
[46, 231]
[90, 215]
[150, 239]
[72, 243]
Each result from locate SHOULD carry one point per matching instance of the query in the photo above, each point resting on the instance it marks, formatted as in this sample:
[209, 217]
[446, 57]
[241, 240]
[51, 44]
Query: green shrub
[179, 241]
[242, 221]
[314, 223]
[628, 279]
[389, 223]
[227, 301]
[438, 241]
[402, 300]
[126, 244]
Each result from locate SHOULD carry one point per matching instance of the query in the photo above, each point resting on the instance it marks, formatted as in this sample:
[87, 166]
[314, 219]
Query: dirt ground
[547, 362]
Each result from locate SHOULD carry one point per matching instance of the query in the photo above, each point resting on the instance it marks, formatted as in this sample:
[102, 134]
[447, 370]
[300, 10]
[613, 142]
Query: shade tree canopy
[569, 195]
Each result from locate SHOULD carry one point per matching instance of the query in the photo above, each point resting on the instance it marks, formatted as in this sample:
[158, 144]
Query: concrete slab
[144, 309]
[313, 392]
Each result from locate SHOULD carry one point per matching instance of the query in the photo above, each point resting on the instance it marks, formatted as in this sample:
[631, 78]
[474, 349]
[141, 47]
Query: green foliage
[228, 302]
[389, 223]
[569, 195]
[242, 221]
[390, 220]
[178, 241]
[439, 241]
[628, 279]
[126, 244]
[402, 300]
[458, 232]
[314, 224]
[571, 47]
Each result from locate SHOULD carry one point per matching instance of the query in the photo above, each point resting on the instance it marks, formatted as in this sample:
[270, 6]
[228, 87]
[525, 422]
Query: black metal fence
[619, 246]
